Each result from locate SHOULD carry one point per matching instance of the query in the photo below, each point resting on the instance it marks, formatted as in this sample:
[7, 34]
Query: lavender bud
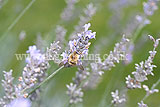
[35, 56]
[52, 52]
[20, 102]
[22, 35]
[8, 86]
[143, 69]
[60, 34]
[149, 7]
[88, 14]
[143, 20]
[132, 83]
[68, 11]
[116, 98]
[141, 104]
[78, 47]
[75, 93]
[150, 91]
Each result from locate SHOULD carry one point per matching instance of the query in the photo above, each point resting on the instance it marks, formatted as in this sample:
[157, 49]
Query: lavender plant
[116, 98]
[99, 67]
[33, 74]
[68, 11]
[88, 14]
[141, 104]
[143, 69]
[90, 68]
[150, 6]
[78, 49]
[143, 21]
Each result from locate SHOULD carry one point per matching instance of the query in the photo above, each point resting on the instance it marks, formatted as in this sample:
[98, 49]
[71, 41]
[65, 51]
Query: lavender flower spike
[89, 12]
[20, 102]
[143, 69]
[75, 93]
[68, 11]
[116, 99]
[78, 48]
[143, 20]
[132, 83]
[149, 7]
[141, 104]
[150, 91]
[35, 56]
[8, 87]
[60, 35]
[99, 67]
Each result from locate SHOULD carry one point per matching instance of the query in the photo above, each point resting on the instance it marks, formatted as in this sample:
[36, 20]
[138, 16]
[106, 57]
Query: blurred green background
[44, 15]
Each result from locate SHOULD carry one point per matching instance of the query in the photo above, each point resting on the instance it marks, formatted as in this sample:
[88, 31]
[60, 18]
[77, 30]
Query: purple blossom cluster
[141, 104]
[143, 69]
[89, 12]
[116, 98]
[35, 56]
[33, 74]
[78, 48]
[60, 35]
[150, 7]
[74, 93]
[68, 11]
[20, 102]
[99, 66]
[8, 86]
[150, 91]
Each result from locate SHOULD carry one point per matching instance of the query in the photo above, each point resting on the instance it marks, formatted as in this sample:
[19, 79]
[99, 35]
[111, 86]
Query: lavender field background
[110, 22]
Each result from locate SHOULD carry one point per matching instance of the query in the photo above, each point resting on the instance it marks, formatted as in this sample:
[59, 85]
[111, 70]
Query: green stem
[47, 79]
[154, 85]
[17, 18]
[138, 31]
[20, 15]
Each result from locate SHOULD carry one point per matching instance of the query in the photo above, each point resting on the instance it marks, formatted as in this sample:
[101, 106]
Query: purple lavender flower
[150, 91]
[60, 35]
[99, 66]
[89, 12]
[20, 102]
[149, 7]
[143, 20]
[143, 69]
[132, 83]
[22, 35]
[68, 11]
[141, 104]
[35, 56]
[116, 98]
[95, 76]
[75, 93]
[8, 86]
[52, 52]
[78, 48]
